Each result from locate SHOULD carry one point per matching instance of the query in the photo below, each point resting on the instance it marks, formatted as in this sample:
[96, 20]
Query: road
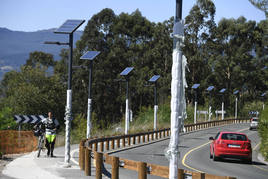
[194, 156]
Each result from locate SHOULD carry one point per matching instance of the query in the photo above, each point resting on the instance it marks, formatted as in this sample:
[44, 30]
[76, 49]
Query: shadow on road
[236, 161]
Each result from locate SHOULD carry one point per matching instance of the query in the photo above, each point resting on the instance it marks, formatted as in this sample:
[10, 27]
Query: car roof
[230, 132]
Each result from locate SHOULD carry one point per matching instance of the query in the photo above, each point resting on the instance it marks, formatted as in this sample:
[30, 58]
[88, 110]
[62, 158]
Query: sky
[33, 15]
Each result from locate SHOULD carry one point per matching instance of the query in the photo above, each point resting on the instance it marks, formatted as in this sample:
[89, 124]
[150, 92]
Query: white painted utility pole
[178, 84]
[236, 101]
[195, 111]
[222, 110]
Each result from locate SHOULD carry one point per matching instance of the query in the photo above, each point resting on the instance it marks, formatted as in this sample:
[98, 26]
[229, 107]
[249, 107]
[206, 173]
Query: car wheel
[248, 161]
[214, 157]
[250, 128]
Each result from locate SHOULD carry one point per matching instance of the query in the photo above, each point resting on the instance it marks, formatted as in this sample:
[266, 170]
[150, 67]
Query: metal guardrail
[100, 147]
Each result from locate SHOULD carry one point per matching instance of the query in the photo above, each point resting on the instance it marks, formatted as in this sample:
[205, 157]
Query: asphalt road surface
[194, 156]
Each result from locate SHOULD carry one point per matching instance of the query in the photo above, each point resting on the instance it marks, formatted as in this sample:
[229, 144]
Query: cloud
[6, 68]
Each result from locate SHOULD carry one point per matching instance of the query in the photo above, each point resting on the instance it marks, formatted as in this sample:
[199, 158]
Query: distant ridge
[15, 46]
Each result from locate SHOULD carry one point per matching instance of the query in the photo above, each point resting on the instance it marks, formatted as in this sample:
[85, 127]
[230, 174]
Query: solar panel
[126, 71]
[90, 55]
[210, 88]
[263, 94]
[195, 86]
[237, 91]
[222, 90]
[154, 78]
[69, 26]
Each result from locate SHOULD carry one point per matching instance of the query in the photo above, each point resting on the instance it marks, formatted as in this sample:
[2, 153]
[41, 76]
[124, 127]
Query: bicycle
[39, 132]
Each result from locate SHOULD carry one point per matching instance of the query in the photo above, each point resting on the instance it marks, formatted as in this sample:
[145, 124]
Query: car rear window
[231, 136]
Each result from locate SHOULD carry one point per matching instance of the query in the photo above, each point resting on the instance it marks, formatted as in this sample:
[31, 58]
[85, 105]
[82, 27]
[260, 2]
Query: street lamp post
[69, 27]
[89, 55]
[195, 86]
[222, 104]
[236, 93]
[125, 73]
[154, 80]
[209, 89]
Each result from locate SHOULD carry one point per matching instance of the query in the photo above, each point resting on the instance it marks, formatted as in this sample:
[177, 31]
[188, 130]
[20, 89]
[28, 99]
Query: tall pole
[155, 106]
[236, 101]
[222, 107]
[195, 106]
[89, 100]
[177, 93]
[68, 110]
[127, 110]
[209, 108]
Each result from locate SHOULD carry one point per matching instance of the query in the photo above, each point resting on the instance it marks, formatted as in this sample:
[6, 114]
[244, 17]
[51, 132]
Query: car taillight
[247, 145]
[220, 142]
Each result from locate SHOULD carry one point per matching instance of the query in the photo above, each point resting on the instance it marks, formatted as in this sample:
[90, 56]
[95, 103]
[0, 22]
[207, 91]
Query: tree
[40, 60]
[262, 5]
[199, 42]
[31, 91]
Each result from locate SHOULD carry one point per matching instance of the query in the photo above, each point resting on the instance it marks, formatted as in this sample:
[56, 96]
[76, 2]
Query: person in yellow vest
[51, 126]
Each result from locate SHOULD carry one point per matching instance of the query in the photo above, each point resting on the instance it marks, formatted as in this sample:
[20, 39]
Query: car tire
[250, 128]
[248, 161]
[215, 158]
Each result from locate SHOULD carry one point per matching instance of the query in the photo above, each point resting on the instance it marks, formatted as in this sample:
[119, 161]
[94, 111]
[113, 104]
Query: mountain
[15, 46]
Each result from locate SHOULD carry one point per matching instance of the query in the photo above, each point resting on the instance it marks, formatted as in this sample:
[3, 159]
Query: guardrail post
[118, 143]
[88, 162]
[142, 170]
[148, 137]
[82, 158]
[115, 167]
[139, 139]
[152, 136]
[112, 147]
[128, 141]
[107, 145]
[143, 138]
[99, 159]
[95, 146]
[134, 140]
[101, 146]
[180, 173]
[156, 135]
[124, 141]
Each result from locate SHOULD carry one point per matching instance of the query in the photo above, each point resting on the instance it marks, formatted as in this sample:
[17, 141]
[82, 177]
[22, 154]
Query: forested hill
[16, 46]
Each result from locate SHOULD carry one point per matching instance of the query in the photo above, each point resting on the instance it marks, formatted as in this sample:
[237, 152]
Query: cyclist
[51, 125]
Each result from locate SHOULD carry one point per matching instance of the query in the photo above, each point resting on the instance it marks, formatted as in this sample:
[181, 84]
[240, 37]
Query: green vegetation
[263, 131]
[231, 54]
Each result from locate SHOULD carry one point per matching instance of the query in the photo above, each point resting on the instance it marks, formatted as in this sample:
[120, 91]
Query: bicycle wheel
[39, 146]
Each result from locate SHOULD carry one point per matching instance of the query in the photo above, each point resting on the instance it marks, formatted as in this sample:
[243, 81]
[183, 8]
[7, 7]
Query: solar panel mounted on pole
[236, 102]
[126, 73]
[89, 55]
[69, 27]
[195, 86]
[154, 80]
[209, 89]
[222, 104]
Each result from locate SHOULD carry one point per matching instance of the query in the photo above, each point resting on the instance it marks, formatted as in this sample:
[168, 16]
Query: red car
[231, 145]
